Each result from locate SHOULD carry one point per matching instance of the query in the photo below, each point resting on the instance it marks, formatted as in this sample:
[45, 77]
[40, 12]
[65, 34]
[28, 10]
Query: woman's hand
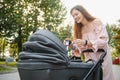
[79, 42]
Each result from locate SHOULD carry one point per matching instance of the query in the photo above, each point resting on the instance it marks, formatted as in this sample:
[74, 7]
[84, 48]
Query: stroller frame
[98, 63]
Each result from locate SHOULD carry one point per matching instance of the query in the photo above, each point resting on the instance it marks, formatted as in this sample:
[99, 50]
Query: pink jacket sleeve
[101, 40]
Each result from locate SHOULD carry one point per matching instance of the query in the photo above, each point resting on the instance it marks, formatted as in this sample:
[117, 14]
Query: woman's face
[77, 16]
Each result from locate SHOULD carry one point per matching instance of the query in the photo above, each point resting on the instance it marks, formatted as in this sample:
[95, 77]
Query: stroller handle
[99, 50]
[99, 62]
[90, 50]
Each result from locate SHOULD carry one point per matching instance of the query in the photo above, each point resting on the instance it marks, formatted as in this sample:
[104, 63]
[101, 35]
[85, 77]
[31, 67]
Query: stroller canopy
[44, 46]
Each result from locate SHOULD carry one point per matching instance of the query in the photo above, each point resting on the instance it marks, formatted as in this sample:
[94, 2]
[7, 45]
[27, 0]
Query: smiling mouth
[77, 20]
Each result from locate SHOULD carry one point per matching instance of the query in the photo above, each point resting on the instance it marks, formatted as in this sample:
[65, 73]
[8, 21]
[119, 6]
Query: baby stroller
[44, 57]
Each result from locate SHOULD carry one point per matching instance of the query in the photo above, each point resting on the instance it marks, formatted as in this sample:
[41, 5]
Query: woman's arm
[102, 38]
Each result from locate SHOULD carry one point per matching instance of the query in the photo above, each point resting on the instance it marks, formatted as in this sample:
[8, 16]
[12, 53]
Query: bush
[1, 59]
[11, 64]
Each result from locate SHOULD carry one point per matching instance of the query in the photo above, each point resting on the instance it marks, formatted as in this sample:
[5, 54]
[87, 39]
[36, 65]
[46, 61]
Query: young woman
[90, 33]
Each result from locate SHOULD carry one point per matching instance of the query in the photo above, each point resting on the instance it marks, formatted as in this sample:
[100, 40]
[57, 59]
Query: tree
[64, 32]
[110, 34]
[3, 44]
[20, 18]
[116, 39]
[53, 14]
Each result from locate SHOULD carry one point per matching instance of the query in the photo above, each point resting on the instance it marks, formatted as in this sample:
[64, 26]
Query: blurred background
[21, 18]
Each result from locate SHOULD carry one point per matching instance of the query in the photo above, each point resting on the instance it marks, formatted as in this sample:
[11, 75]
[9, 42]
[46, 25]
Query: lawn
[7, 67]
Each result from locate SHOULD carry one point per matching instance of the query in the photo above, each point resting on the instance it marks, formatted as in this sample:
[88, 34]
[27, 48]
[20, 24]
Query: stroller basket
[44, 57]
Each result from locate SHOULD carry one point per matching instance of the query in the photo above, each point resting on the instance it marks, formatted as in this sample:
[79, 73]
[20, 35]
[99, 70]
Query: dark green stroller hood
[44, 46]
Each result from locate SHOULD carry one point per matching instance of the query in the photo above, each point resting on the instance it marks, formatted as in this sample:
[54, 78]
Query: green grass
[4, 69]
[7, 67]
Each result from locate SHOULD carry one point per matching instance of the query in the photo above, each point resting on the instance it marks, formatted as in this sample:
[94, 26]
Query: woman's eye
[76, 14]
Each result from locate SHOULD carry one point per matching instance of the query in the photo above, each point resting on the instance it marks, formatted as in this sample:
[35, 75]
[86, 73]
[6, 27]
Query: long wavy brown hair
[78, 26]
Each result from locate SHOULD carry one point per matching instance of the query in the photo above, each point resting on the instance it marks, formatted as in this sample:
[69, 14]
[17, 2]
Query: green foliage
[53, 14]
[63, 32]
[10, 64]
[114, 38]
[2, 59]
[20, 18]
[110, 34]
